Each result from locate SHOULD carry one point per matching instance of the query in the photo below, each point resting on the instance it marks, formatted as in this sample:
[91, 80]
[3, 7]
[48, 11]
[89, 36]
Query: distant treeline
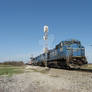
[14, 63]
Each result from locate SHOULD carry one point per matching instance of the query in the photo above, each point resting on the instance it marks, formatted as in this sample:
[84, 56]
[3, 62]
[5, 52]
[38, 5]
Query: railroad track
[82, 70]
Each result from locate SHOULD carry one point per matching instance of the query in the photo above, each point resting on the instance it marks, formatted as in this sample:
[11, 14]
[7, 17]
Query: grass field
[10, 70]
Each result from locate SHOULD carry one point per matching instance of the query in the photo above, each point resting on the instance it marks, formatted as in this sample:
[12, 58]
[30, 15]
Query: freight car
[67, 54]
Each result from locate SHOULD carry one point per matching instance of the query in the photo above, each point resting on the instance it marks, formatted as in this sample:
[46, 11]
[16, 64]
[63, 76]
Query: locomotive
[69, 54]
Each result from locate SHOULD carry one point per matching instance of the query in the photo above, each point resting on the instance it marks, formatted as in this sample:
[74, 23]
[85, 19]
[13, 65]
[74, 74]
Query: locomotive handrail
[74, 48]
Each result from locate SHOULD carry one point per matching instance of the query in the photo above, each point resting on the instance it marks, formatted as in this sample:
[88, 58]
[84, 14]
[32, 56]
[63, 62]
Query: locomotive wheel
[51, 65]
[68, 67]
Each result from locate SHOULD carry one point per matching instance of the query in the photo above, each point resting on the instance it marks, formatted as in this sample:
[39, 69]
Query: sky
[22, 21]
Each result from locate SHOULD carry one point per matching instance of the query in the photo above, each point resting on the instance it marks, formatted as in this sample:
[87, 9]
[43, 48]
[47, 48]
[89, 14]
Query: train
[68, 54]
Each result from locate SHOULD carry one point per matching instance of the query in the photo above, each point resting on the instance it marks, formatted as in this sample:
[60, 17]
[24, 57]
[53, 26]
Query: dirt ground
[39, 79]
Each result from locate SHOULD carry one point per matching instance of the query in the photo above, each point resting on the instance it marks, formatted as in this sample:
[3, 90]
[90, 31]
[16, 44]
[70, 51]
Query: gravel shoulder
[39, 79]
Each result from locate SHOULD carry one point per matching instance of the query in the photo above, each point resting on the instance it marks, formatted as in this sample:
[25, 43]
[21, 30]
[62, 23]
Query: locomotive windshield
[72, 42]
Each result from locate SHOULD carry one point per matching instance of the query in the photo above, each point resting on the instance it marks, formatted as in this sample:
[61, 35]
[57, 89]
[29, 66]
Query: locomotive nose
[78, 51]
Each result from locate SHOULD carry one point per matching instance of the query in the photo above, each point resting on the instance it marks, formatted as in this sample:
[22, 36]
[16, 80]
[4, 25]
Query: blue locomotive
[67, 54]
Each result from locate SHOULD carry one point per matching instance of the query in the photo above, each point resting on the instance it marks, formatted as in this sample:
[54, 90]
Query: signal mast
[45, 38]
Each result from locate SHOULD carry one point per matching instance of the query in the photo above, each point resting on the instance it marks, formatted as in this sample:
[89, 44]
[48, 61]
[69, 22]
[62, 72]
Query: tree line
[14, 63]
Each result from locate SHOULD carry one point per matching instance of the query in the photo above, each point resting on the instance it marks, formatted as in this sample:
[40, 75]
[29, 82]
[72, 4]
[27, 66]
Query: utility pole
[45, 37]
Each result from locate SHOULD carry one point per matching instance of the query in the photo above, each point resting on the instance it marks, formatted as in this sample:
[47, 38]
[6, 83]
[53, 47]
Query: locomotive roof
[71, 41]
[68, 42]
